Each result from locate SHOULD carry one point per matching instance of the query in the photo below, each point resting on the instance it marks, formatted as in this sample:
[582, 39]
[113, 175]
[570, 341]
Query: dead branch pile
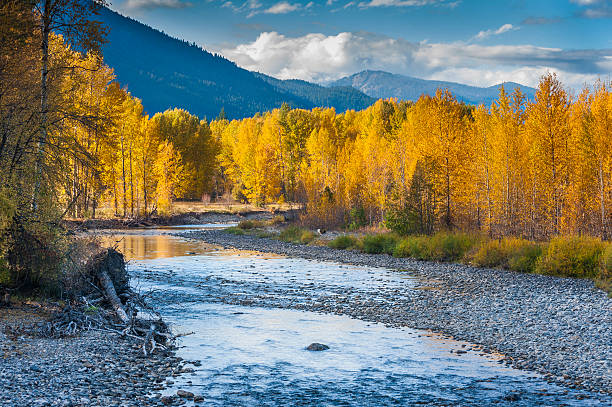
[109, 304]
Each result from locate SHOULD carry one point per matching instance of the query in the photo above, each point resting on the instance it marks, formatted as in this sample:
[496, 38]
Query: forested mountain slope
[166, 72]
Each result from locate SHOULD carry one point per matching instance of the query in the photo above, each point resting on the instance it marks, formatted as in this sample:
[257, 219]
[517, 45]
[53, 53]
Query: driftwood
[109, 305]
[111, 295]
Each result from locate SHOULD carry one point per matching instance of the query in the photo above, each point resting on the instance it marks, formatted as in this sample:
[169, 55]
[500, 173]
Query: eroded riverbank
[561, 328]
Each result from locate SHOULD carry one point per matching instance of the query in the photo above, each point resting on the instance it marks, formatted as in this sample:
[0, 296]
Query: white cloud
[152, 4]
[397, 3]
[595, 8]
[321, 58]
[406, 3]
[282, 8]
[585, 2]
[503, 29]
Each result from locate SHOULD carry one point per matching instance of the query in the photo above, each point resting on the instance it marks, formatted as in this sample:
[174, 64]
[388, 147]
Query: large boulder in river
[317, 347]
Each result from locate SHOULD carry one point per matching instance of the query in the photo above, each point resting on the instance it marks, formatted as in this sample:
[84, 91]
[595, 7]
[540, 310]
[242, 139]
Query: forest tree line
[532, 168]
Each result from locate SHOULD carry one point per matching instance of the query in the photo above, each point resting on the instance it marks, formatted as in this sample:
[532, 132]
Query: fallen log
[108, 268]
[111, 295]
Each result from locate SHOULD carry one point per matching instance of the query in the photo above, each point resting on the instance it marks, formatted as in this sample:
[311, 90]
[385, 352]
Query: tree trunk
[111, 295]
[44, 106]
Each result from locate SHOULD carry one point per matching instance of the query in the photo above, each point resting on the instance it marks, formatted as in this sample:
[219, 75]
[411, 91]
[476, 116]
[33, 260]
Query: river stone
[317, 347]
[185, 394]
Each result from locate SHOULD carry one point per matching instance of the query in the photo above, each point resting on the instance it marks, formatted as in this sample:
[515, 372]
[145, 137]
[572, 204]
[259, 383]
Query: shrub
[572, 257]
[413, 246]
[307, 237]
[606, 264]
[343, 242]
[383, 243]
[604, 280]
[250, 224]
[448, 246]
[509, 253]
[524, 258]
[296, 234]
[492, 253]
[234, 230]
[277, 220]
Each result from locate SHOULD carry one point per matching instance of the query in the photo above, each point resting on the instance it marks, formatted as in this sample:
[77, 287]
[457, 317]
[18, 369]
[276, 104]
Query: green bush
[572, 257]
[296, 234]
[412, 246]
[307, 237]
[250, 224]
[343, 242]
[509, 253]
[604, 280]
[234, 230]
[449, 246]
[524, 258]
[606, 264]
[383, 243]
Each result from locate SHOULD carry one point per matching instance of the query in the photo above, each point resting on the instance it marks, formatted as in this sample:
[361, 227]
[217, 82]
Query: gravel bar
[91, 369]
[558, 327]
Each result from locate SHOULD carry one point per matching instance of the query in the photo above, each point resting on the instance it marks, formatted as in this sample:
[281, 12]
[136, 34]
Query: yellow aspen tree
[484, 184]
[549, 131]
[510, 152]
[168, 169]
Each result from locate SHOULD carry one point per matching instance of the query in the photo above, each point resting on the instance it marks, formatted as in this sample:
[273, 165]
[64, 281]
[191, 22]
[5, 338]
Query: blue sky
[475, 42]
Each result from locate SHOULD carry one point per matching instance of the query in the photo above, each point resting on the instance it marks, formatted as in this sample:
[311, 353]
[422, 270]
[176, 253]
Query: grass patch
[572, 257]
[344, 242]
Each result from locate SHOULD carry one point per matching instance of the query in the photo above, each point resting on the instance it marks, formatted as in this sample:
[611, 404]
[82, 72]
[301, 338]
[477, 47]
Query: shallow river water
[251, 340]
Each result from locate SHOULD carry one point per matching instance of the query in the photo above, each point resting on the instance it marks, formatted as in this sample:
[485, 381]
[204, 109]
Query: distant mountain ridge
[166, 72]
[381, 84]
[341, 97]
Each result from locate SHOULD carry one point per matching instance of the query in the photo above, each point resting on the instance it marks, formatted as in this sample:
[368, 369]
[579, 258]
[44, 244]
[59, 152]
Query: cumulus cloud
[322, 58]
[503, 29]
[153, 4]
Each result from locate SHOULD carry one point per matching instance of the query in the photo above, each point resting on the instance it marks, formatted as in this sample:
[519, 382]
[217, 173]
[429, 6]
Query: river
[247, 312]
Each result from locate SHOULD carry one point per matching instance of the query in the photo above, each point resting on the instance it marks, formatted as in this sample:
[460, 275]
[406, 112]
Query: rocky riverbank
[93, 368]
[188, 218]
[561, 328]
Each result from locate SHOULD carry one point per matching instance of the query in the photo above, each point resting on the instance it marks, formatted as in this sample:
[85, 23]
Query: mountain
[341, 97]
[166, 72]
[380, 84]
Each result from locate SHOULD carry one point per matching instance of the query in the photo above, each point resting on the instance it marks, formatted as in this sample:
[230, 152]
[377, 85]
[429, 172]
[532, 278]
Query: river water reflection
[251, 345]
